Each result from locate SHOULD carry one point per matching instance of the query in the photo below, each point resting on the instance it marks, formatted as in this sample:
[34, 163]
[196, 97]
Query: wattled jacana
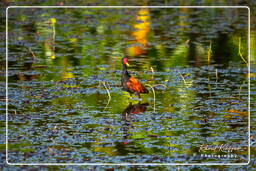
[129, 83]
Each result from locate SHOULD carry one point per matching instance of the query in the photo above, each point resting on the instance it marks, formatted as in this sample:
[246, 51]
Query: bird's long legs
[138, 94]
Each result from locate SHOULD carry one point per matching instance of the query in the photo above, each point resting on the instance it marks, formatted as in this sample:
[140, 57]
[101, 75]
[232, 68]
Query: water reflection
[140, 33]
[127, 114]
[135, 109]
[127, 127]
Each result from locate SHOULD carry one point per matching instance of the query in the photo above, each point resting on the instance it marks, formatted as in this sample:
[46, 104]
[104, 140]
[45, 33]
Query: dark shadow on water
[222, 49]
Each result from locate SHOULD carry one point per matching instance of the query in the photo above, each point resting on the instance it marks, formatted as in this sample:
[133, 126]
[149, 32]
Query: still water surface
[62, 60]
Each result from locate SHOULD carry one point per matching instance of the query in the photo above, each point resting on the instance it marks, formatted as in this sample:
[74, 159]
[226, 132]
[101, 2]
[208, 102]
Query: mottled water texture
[60, 59]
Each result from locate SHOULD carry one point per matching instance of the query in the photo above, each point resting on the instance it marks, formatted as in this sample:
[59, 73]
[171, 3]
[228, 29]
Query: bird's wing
[134, 85]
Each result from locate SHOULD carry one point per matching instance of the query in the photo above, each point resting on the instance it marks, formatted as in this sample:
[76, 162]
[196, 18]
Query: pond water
[65, 64]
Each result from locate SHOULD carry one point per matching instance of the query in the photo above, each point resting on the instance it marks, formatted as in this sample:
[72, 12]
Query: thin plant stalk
[239, 51]
[109, 95]
[154, 95]
[209, 53]
[53, 22]
[209, 86]
[153, 72]
[34, 56]
[183, 80]
[240, 89]
[53, 35]
[156, 85]
[216, 74]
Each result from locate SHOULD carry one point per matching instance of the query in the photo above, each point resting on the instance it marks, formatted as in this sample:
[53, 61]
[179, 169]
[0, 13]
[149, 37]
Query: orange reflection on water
[140, 35]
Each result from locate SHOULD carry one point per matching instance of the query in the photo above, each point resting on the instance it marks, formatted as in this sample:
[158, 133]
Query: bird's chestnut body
[129, 83]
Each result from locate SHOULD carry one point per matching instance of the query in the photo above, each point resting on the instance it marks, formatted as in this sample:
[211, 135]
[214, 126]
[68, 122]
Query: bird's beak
[127, 64]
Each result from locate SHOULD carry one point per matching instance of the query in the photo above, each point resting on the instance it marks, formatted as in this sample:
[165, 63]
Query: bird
[129, 83]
